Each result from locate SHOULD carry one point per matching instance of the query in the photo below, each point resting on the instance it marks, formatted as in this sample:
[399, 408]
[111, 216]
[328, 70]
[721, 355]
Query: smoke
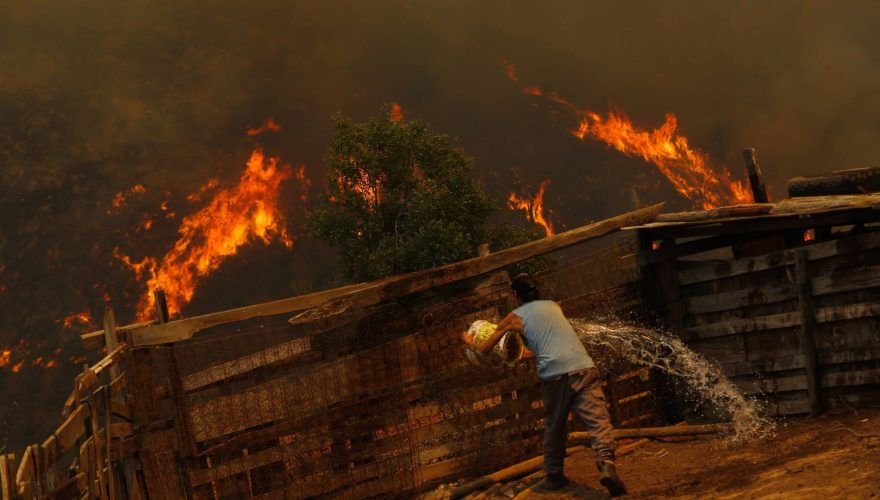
[97, 96]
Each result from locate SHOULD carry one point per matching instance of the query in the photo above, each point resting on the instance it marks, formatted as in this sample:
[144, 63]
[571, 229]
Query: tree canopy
[399, 198]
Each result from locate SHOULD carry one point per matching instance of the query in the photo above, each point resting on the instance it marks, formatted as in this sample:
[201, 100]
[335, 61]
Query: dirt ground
[834, 456]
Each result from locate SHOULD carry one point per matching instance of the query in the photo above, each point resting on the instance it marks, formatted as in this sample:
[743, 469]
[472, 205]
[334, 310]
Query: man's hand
[510, 323]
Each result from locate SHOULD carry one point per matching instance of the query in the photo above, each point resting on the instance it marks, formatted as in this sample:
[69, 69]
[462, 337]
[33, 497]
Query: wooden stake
[8, 488]
[110, 337]
[161, 306]
[808, 330]
[756, 177]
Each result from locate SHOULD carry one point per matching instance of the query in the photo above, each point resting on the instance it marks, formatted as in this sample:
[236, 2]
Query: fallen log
[655, 432]
[508, 474]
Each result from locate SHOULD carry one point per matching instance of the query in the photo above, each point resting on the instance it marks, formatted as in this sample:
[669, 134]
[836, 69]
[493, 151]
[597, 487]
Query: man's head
[525, 288]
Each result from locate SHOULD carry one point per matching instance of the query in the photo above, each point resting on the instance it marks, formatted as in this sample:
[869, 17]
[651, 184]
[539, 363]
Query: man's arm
[511, 322]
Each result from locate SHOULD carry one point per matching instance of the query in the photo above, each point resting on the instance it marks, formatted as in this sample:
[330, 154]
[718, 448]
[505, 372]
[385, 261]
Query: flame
[396, 112]
[121, 197]
[686, 168]
[363, 184]
[533, 207]
[234, 217]
[22, 353]
[268, 126]
[81, 317]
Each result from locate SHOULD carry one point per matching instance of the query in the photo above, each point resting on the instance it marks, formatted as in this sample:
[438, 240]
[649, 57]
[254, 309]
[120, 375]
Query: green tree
[399, 198]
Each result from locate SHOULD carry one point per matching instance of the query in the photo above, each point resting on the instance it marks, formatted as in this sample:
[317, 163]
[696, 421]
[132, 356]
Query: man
[569, 382]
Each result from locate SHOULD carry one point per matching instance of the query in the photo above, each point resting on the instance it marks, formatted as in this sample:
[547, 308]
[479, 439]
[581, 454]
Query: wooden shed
[784, 296]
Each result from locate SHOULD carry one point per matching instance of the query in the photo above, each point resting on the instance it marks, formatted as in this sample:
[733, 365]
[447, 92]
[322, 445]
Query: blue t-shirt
[550, 336]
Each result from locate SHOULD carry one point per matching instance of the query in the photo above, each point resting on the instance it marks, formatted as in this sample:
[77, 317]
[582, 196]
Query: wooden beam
[756, 177]
[735, 299]
[804, 219]
[110, 338]
[715, 270]
[366, 294]
[808, 330]
[95, 340]
[247, 363]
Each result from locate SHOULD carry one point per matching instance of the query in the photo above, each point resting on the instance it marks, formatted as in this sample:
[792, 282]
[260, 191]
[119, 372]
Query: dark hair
[525, 287]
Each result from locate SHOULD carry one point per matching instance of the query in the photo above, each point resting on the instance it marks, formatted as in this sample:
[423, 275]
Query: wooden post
[756, 178]
[8, 488]
[110, 337]
[161, 306]
[808, 330]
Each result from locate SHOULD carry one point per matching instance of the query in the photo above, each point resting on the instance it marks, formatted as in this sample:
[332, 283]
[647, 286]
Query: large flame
[686, 168]
[234, 217]
[533, 207]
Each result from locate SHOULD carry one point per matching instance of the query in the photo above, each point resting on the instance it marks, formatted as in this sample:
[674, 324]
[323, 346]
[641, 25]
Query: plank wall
[758, 316]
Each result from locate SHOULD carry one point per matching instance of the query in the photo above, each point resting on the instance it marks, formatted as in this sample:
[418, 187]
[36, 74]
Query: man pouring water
[569, 382]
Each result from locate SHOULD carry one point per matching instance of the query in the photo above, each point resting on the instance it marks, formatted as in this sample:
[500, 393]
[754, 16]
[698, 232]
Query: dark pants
[580, 393]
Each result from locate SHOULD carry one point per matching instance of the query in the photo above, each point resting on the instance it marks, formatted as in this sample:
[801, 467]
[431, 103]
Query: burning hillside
[247, 212]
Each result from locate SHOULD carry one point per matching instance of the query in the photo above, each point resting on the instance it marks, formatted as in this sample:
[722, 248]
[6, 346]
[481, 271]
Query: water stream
[704, 383]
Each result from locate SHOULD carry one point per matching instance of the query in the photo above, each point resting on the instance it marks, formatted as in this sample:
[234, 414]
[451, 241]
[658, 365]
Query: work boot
[553, 482]
[608, 478]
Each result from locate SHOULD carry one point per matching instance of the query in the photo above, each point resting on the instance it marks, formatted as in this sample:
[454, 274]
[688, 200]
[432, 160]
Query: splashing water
[615, 341]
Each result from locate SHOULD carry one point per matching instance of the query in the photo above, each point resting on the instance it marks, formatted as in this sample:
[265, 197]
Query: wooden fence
[90, 455]
[366, 402]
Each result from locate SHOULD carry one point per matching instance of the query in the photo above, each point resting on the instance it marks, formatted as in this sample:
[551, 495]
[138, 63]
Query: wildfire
[234, 217]
[22, 354]
[83, 318]
[686, 168]
[269, 126]
[533, 207]
[396, 112]
[121, 197]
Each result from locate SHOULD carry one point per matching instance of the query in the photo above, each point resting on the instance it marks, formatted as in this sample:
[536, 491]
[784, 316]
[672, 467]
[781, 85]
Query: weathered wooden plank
[8, 487]
[66, 436]
[95, 340]
[847, 378]
[816, 251]
[847, 312]
[675, 251]
[745, 210]
[772, 385]
[736, 299]
[365, 294]
[808, 330]
[783, 320]
[27, 473]
[245, 364]
[763, 366]
[744, 325]
[110, 337]
[865, 277]
[88, 378]
[790, 407]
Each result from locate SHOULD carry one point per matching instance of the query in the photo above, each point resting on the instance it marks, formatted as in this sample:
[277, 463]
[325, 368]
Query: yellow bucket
[508, 350]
